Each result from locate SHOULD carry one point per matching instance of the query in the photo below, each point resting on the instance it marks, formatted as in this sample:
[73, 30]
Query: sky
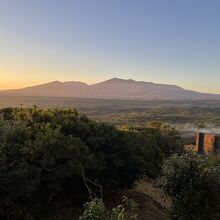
[170, 42]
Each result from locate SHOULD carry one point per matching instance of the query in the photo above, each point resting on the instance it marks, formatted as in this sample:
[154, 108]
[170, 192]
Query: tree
[193, 183]
[48, 153]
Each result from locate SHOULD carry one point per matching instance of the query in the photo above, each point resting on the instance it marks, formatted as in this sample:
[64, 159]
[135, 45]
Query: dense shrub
[193, 183]
[96, 210]
[47, 155]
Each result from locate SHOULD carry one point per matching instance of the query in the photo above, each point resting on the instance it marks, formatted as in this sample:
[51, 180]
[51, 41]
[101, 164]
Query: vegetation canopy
[193, 183]
[48, 156]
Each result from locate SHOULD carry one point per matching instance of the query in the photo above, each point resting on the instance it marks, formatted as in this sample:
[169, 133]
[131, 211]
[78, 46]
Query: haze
[169, 42]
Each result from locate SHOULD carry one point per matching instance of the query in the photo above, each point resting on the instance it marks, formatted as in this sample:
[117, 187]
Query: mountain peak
[54, 83]
[114, 88]
[115, 79]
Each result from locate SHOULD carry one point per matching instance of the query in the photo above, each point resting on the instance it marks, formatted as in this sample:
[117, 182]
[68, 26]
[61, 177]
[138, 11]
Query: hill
[112, 89]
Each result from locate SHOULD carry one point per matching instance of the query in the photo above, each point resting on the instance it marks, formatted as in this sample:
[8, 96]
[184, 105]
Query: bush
[96, 210]
[46, 155]
[38, 169]
[193, 183]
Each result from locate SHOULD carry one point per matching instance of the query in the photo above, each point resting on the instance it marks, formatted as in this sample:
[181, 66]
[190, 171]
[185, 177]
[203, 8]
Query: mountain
[111, 89]
[55, 89]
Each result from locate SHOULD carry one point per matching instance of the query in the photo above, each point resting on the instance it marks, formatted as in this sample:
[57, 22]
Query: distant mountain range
[112, 89]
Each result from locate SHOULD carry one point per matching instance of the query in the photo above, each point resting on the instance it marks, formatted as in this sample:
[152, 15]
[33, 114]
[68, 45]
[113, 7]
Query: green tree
[47, 156]
[193, 183]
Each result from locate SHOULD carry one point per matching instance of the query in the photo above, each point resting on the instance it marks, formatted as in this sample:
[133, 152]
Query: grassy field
[121, 112]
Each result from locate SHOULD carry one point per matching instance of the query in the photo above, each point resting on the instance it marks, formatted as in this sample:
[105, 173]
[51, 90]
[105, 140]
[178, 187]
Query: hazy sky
[163, 41]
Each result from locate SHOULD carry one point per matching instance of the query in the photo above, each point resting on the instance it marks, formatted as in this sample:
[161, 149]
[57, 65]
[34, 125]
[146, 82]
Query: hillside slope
[111, 89]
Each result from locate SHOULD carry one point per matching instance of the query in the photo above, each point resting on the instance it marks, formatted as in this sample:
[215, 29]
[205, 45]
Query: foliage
[96, 210]
[161, 141]
[47, 155]
[193, 183]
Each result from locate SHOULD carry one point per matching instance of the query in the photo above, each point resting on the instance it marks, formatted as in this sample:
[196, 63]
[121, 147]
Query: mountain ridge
[114, 88]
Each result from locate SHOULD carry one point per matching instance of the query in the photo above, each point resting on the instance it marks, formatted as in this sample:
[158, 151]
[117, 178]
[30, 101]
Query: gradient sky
[163, 41]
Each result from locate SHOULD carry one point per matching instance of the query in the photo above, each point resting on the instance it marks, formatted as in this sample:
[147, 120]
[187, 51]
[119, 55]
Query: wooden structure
[207, 143]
